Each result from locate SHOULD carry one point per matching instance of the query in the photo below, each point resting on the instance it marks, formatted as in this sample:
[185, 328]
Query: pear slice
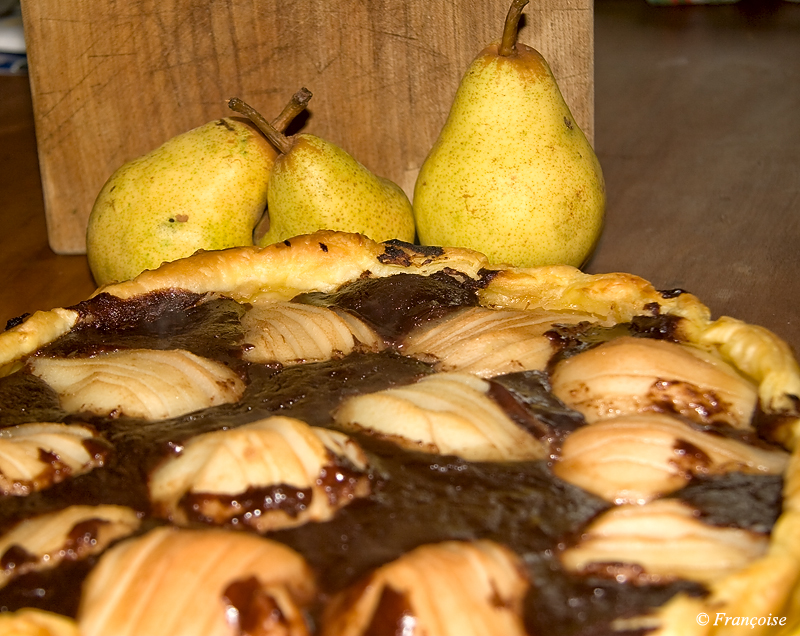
[659, 542]
[489, 342]
[635, 458]
[452, 588]
[447, 414]
[37, 455]
[292, 333]
[144, 383]
[72, 533]
[634, 375]
[315, 185]
[35, 622]
[176, 582]
[274, 473]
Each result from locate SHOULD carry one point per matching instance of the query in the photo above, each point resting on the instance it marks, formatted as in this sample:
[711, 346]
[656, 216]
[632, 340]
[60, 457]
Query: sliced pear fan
[273, 473]
[35, 622]
[490, 342]
[659, 542]
[638, 457]
[291, 333]
[445, 413]
[73, 533]
[37, 455]
[634, 375]
[448, 589]
[141, 383]
[175, 582]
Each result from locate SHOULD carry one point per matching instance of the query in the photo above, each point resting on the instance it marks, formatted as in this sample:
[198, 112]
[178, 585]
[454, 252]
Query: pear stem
[297, 105]
[275, 137]
[508, 45]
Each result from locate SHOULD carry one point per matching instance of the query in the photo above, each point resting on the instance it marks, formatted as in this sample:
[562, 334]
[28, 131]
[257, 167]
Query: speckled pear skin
[511, 174]
[203, 189]
[319, 186]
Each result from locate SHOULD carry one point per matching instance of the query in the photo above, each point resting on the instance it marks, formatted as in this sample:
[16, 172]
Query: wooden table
[697, 130]
[698, 133]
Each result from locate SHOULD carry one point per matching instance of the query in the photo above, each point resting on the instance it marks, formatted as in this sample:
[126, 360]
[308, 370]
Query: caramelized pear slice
[274, 473]
[489, 342]
[177, 582]
[291, 333]
[72, 533]
[143, 383]
[448, 589]
[37, 455]
[635, 375]
[35, 622]
[659, 542]
[635, 458]
[447, 414]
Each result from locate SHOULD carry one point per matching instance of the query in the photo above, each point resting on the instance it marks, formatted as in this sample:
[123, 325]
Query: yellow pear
[203, 189]
[314, 184]
[511, 174]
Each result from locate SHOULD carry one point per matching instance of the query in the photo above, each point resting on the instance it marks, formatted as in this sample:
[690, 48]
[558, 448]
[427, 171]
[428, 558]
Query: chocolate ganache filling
[416, 498]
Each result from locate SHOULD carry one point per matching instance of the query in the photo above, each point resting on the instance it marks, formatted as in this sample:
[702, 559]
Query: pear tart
[331, 436]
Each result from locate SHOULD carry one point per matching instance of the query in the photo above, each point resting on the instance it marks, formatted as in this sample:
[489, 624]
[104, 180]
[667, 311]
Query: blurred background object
[13, 58]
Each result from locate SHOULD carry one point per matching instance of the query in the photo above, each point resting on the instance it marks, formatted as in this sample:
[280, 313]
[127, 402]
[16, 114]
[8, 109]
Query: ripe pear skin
[203, 189]
[511, 174]
[318, 185]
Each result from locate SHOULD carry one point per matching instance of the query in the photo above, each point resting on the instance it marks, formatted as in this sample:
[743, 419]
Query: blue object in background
[13, 58]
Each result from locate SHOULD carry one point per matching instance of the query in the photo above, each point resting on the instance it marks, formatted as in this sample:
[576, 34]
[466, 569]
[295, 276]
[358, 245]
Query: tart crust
[323, 261]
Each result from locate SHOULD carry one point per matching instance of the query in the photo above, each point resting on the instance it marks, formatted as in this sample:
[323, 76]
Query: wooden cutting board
[113, 79]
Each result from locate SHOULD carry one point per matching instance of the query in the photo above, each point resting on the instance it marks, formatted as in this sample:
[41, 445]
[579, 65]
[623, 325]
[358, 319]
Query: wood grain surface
[113, 79]
[696, 129]
[32, 276]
